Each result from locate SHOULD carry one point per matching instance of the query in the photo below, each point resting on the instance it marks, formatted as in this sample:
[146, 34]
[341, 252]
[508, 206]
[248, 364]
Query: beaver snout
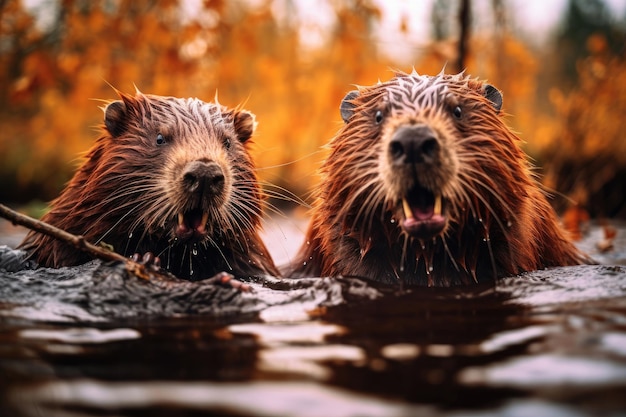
[416, 144]
[415, 156]
[204, 178]
[203, 183]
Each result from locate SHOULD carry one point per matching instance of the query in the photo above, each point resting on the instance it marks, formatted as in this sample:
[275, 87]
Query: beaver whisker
[158, 211]
[216, 246]
[476, 158]
[281, 194]
[134, 207]
[474, 178]
[119, 194]
[182, 257]
[114, 226]
[236, 223]
[505, 231]
[477, 195]
[122, 197]
[369, 181]
[405, 245]
[493, 260]
[374, 202]
[275, 210]
[246, 210]
[366, 173]
[447, 249]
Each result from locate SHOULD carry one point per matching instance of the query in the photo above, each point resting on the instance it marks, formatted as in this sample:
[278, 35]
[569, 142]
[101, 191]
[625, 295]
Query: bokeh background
[560, 64]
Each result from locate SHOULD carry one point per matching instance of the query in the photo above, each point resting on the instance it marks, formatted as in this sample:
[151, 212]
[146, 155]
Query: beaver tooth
[408, 213]
[437, 209]
[203, 222]
[181, 219]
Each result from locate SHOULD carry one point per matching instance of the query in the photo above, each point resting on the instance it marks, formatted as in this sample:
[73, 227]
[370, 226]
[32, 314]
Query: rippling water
[90, 342]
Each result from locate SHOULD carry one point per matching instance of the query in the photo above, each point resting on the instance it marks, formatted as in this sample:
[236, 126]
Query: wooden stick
[147, 272]
[78, 242]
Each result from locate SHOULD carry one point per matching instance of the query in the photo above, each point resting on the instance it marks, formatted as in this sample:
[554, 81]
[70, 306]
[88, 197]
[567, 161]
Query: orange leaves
[250, 53]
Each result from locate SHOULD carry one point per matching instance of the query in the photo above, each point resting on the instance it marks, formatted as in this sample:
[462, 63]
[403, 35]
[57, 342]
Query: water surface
[87, 342]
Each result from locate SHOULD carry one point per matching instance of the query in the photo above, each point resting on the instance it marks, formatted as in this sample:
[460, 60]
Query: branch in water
[78, 242]
[146, 272]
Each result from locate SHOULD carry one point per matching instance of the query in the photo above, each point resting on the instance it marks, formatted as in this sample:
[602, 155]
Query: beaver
[169, 177]
[426, 185]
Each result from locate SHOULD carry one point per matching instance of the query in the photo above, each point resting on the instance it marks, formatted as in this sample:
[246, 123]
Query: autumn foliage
[53, 76]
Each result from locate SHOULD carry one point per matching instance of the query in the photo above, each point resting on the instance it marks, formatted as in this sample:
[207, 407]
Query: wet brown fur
[499, 221]
[128, 191]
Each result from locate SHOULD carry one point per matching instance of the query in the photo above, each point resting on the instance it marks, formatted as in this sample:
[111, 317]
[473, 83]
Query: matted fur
[130, 190]
[497, 220]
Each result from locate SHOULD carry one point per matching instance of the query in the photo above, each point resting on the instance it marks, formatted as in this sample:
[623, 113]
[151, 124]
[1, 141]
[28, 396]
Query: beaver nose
[203, 178]
[414, 145]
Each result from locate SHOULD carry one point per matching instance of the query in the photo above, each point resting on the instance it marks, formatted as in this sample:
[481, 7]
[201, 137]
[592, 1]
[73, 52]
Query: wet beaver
[426, 185]
[171, 177]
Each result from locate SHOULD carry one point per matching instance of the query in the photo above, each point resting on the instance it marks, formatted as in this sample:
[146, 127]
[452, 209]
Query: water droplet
[310, 258]
[308, 243]
[509, 224]
[130, 235]
[304, 263]
[480, 219]
[194, 251]
[393, 221]
[431, 269]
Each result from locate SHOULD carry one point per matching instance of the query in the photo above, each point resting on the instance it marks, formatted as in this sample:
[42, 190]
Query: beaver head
[195, 160]
[425, 184]
[424, 129]
[170, 176]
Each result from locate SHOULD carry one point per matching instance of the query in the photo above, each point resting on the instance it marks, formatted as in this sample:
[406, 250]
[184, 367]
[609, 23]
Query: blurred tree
[52, 72]
[255, 52]
[441, 16]
[464, 25]
[582, 19]
[586, 160]
[49, 74]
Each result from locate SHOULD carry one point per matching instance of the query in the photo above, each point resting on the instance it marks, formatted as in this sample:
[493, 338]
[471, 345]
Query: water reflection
[545, 343]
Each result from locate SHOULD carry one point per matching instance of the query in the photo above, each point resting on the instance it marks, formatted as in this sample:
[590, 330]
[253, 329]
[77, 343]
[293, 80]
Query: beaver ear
[115, 118]
[494, 95]
[244, 125]
[347, 107]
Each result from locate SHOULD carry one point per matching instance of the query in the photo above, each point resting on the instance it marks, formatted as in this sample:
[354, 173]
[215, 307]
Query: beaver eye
[160, 139]
[227, 143]
[378, 117]
[457, 112]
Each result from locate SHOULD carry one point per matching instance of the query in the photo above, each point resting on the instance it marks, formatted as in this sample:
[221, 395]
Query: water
[545, 343]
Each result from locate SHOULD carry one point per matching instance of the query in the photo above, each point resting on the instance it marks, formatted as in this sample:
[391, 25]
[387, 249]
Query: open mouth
[423, 213]
[191, 225]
